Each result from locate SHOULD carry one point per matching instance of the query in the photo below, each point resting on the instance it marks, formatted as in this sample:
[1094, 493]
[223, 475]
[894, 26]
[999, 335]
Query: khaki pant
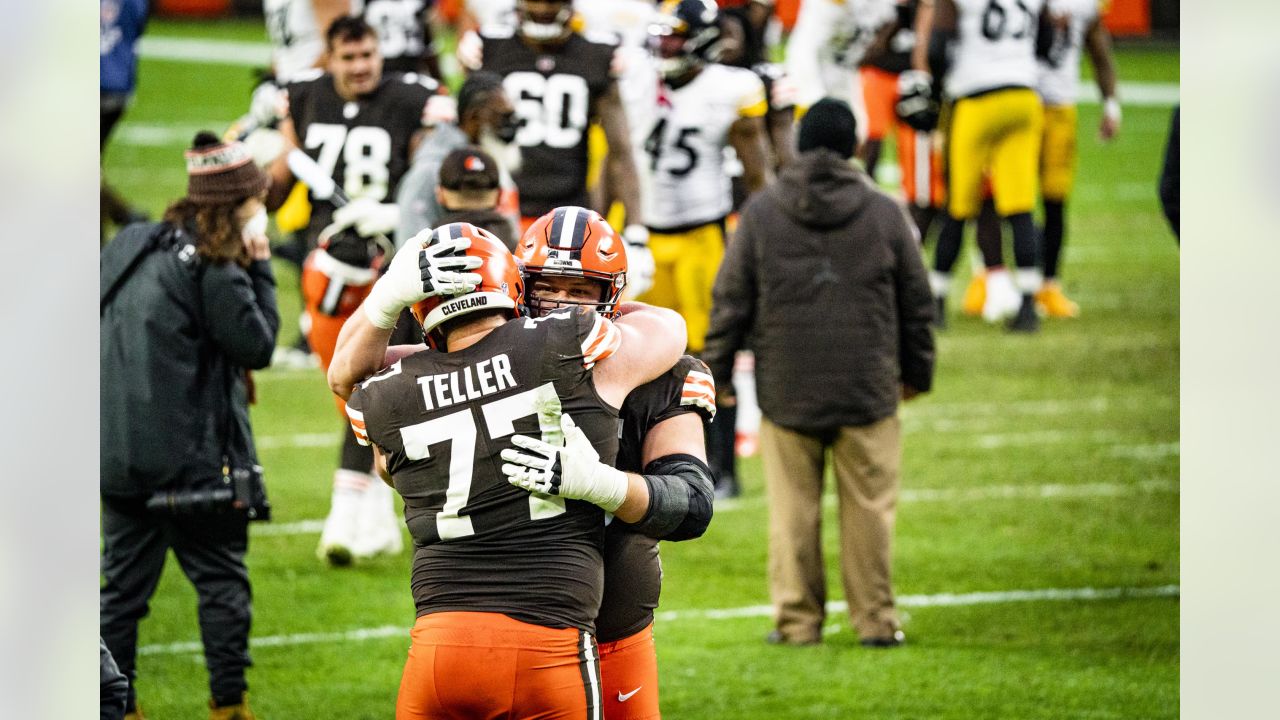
[867, 461]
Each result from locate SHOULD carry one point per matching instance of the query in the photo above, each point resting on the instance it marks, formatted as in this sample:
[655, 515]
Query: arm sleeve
[751, 99]
[733, 301]
[915, 310]
[240, 309]
[355, 415]
[680, 499]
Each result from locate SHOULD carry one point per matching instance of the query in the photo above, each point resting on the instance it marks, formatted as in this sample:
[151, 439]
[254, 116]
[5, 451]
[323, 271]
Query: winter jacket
[176, 335]
[825, 282]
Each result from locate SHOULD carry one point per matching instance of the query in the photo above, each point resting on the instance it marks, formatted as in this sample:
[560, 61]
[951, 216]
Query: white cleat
[1003, 299]
[378, 528]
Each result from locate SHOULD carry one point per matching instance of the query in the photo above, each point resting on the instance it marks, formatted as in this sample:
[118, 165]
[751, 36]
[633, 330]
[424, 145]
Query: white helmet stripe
[568, 227]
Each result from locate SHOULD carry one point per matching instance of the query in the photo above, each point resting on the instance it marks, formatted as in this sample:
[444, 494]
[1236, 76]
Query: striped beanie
[219, 172]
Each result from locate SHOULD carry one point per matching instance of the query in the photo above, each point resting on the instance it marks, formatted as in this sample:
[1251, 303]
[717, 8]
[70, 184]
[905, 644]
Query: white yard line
[1084, 594]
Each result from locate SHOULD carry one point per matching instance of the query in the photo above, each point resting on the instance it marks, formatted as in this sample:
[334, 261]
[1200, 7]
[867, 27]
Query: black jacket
[825, 282]
[177, 333]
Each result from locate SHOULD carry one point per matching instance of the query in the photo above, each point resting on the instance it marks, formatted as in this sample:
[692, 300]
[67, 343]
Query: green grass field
[1037, 464]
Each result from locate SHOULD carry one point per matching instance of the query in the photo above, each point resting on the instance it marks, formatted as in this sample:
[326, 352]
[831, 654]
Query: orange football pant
[629, 677]
[487, 666]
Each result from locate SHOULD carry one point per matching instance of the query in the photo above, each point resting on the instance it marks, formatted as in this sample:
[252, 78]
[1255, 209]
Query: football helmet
[573, 241]
[684, 35]
[337, 275]
[501, 286]
[548, 21]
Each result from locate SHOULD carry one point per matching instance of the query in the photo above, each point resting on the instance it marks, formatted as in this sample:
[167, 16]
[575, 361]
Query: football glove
[571, 471]
[470, 52]
[640, 266]
[917, 106]
[368, 216]
[417, 273]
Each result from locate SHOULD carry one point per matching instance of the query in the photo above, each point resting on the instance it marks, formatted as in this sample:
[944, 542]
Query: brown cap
[219, 172]
[469, 168]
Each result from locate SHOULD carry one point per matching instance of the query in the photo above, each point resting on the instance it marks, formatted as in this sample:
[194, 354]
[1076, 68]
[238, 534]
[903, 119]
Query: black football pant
[210, 549]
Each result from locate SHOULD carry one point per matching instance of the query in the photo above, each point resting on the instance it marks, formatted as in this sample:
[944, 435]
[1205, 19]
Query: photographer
[187, 306]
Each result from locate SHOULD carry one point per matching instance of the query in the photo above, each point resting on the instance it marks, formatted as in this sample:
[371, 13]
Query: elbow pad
[940, 53]
[680, 494]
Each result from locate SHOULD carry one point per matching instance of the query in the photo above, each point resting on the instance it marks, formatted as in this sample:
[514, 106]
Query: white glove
[439, 109]
[368, 216]
[268, 104]
[470, 50]
[572, 470]
[417, 273]
[640, 267]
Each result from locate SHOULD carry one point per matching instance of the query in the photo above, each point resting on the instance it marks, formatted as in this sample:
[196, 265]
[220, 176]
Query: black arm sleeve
[240, 308]
[680, 495]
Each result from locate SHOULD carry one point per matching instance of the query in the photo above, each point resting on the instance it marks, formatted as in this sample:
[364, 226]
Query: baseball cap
[469, 168]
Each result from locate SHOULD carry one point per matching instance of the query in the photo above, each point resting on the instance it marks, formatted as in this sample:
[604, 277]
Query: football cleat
[889, 641]
[1003, 299]
[338, 538]
[377, 526]
[1054, 302]
[975, 295]
[1027, 320]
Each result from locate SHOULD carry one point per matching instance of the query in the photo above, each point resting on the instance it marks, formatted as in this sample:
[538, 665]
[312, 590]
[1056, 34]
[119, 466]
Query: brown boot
[239, 711]
[136, 714]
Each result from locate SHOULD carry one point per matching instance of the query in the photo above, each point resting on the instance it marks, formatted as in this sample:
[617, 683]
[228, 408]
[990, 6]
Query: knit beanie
[219, 172]
[829, 124]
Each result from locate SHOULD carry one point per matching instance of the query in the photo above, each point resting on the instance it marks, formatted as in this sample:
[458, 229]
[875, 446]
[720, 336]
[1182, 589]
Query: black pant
[210, 549]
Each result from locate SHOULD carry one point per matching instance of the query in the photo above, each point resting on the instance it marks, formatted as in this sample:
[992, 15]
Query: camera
[240, 489]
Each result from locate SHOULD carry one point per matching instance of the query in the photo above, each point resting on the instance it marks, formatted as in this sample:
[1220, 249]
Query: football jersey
[827, 45]
[995, 46]
[362, 144]
[442, 421]
[554, 94]
[403, 31]
[633, 572]
[679, 136]
[1058, 76]
[297, 41]
[628, 20]
[897, 57]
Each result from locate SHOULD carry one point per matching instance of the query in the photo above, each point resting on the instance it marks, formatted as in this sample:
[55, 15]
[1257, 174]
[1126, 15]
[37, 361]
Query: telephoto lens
[191, 502]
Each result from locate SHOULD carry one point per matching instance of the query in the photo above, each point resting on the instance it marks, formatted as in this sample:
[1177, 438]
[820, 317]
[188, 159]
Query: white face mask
[507, 154]
[256, 225]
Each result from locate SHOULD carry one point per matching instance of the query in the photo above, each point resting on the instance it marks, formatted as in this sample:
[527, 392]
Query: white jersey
[1058, 77]
[492, 12]
[995, 46]
[297, 42]
[678, 138]
[827, 45]
[628, 20]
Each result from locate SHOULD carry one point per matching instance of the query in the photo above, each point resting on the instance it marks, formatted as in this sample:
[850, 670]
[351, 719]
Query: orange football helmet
[573, 241]
[501, 286]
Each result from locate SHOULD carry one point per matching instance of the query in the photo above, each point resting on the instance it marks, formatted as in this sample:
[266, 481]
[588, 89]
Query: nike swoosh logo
[627, 696]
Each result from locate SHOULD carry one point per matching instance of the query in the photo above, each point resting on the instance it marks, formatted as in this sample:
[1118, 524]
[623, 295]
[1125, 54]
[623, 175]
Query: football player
[561, 82]
[695, 109]
[1077, 24]
[830, 40]
[506, 582]
[986, 52]
[360, 126]
[404, 35]
[297, 29]
[571, 258]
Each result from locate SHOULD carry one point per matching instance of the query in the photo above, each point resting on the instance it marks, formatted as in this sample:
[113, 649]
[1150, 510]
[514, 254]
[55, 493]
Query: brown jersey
[442, 420]
[363, 144]
[555, 94]
[633, 572]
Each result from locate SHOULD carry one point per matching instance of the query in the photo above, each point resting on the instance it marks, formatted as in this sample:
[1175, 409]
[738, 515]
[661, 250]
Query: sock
[1055, 229]
[944, 258]
[1028, 277]
[939, 283]
[990, 236]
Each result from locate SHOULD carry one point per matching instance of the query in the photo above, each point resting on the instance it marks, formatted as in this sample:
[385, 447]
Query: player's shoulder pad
[310, 75]
[426, 81]
[699, 389]
[496, 31]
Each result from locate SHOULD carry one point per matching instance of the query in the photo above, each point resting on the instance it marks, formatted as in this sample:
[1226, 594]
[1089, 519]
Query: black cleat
[1027, 320]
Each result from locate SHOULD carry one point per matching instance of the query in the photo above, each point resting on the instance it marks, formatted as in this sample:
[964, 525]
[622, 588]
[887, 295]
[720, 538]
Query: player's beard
[507, 154]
